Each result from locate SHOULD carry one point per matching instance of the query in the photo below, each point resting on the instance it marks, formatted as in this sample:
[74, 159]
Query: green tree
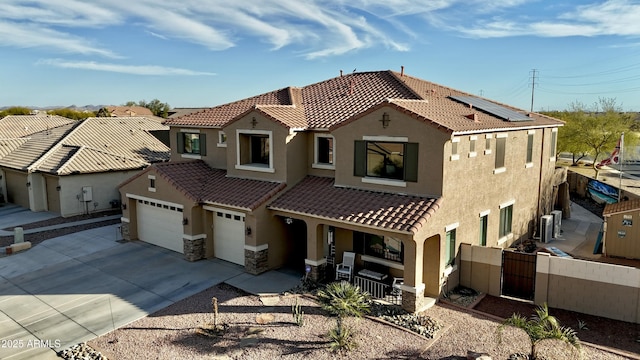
[343, 299]
[594, 131]
[15, 110]
[71, 114]
[103, 112]
[542, 326]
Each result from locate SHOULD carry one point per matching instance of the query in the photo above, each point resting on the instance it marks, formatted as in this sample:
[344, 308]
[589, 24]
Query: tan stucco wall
[104, 189]
[17, 191]
[216, 156]
[481, 268]
[53, 195]
[627, 246]
[277, 148]
[430, 145]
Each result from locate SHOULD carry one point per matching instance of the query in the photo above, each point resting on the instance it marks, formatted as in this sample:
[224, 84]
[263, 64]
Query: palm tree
[343, 299]
[542, 326]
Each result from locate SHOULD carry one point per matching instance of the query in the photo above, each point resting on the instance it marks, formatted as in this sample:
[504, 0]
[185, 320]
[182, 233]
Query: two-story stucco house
[393, 168]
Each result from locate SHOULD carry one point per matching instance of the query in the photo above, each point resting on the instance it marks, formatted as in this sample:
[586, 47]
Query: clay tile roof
[35, 146]
[16, 126]
[220, 115]
[75, 159]
[204, 184]
[127, 111]
[620, 207]
[338, 100]
[318, 197]
[8, 145]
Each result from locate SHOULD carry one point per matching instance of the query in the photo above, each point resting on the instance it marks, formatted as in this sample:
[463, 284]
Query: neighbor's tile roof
[620, 207]
[36, 145]
[8, 145]
[16, 126]
[177, 112]
[66, 160]
[318, 197]
[126, 111]
[125, 137]
[338, 100]
[203, 184]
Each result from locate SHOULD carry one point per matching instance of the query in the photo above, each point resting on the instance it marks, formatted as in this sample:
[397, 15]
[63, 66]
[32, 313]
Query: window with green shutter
[191, 143]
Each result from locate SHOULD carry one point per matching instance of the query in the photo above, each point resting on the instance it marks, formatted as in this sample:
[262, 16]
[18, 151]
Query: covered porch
[391, 259]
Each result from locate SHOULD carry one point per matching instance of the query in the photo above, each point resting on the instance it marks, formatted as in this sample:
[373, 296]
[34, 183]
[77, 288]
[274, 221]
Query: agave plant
[343, 299]
[542, 326]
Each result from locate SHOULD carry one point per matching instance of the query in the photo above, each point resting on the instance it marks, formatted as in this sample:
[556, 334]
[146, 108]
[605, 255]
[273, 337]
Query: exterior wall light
[185, 221]
[28, 184]
[254, 122]
[248, 230]
[288, 220]
[58, 188]
[124, 206]
[385, 120]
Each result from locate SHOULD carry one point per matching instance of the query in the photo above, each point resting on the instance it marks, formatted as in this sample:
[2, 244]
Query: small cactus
[298, 314]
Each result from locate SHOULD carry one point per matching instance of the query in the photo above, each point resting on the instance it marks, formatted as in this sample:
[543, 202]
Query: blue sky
[194, 53]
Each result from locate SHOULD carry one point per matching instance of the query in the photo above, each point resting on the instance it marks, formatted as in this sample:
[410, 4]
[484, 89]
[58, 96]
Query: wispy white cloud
[313, 28]
[124, 69]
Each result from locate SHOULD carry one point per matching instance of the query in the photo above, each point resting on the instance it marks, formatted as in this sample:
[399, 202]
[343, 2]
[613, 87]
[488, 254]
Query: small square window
[222, 139]
[152, 183]
[324, 150]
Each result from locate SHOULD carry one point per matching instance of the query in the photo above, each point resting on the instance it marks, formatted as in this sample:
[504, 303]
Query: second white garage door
[160, 224]
[228, 236]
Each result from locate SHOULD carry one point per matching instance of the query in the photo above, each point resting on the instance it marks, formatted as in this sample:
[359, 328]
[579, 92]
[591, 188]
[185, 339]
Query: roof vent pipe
[402, 70]
[340, 73]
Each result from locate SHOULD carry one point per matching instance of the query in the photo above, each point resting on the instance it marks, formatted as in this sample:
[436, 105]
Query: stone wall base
[193, 249]
[318, 273]
[413, 302]
[124, 230]
[256, 262]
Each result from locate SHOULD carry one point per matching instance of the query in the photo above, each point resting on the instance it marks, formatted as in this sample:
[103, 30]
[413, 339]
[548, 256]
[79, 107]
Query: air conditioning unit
[546, 228]
[557, 222]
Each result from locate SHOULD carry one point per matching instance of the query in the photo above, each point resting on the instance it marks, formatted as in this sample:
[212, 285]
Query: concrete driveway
[73, 288]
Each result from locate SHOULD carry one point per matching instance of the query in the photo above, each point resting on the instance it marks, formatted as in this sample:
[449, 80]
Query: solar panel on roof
[491, 108]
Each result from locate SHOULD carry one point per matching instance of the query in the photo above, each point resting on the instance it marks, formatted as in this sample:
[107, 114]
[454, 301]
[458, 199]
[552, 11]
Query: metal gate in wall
[518, 274]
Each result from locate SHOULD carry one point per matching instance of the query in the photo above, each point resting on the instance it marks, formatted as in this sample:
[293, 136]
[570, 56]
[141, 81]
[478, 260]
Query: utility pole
[533, 85]
[481, 92]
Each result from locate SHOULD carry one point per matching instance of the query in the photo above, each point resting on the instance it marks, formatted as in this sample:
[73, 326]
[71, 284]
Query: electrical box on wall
[87, 193]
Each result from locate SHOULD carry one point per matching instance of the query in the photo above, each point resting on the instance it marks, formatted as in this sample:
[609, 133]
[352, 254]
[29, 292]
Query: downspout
[540, 177]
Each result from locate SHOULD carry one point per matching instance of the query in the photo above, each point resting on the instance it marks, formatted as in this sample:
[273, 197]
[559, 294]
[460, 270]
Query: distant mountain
[72, 107]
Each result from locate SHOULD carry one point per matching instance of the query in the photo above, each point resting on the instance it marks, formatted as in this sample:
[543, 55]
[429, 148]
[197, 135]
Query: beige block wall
[599, 289]
[481, 268]
[216, 155]
[617, 244]
[430, 146]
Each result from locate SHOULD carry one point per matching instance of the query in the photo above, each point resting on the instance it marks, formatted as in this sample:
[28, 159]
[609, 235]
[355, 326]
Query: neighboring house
[396, 169]
[128, 111]
[74, 167]
[178, 112]
[622, 229]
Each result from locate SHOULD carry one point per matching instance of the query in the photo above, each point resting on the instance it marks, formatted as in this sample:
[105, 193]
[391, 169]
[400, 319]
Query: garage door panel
[228, 236]
[160, 225]
[17, 190]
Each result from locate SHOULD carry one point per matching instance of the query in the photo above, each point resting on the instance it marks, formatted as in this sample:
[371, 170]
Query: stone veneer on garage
[193, 249]
[256, 262]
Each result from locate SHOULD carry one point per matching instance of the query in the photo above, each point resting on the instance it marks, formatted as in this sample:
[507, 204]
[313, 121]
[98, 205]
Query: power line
[533, 85]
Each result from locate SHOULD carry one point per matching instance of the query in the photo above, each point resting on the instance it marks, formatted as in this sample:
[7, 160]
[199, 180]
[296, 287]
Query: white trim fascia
[124, 219]
[315, 262]
[150, 189]
[413, 289]
[255, 132]
[473, 154]
[531, 132]
[255, 168]
[256, 248]
[484, 213]
[191, 156]
[499, 170]
[386, 138]
[151, 177]
[528, 165]
[222, 210]
[379, 181]
[144, 198]
[194, 237]
[502, 135]
[450, 227]
[373, 259]
[455, 157]
[506, 203]
[193, 131]
[469, 132]
[323, 166]
[223, 206]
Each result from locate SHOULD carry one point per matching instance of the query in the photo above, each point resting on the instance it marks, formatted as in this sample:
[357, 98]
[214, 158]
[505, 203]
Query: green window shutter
[411, 162]
[180, 142]
[203, 144]
[360, 158]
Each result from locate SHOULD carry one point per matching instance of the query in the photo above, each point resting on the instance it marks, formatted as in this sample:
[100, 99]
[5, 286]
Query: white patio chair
[344, 270]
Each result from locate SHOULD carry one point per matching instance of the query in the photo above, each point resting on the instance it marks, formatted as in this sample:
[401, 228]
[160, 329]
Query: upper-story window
[254, 150]
[324, 152]
[530, 136]
[472, 145]
[455, 142]
[380, 159]
[487, 144]
[191, 143]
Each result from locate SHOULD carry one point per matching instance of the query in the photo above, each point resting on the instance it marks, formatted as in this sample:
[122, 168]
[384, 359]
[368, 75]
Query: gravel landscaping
[172, 333]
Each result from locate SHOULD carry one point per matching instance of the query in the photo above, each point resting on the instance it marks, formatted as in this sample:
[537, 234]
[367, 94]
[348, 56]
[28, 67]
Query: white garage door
[228, 236]
[160, 224]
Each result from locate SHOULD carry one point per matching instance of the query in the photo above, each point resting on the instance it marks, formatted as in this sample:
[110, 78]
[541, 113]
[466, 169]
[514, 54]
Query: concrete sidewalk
[74, 288]
[579, 234]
